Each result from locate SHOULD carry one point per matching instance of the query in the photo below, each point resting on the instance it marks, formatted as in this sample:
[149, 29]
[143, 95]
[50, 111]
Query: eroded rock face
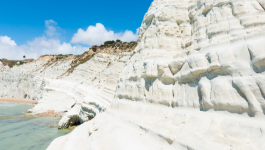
[195, 81]
[199, 54]
[79, 114]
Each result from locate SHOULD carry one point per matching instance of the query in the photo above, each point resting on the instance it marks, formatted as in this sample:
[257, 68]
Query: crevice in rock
[262, 5]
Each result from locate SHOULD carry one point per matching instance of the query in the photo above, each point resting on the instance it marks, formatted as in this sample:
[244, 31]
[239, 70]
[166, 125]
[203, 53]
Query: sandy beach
[17, 100]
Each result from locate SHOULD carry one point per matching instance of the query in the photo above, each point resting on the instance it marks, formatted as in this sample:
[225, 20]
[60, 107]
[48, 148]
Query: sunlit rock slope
[59, 83]
[196, 81]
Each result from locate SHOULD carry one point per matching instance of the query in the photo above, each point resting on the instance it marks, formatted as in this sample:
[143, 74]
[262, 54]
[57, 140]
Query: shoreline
[50, 114]
[17, 100]
[28, 101]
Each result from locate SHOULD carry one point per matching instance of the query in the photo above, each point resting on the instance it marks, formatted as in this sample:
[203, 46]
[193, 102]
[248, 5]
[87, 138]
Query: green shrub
[109, 42]
[59, 57]
[118, 41]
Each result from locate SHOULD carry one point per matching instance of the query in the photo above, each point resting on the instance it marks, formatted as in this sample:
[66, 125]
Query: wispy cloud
[51, 28]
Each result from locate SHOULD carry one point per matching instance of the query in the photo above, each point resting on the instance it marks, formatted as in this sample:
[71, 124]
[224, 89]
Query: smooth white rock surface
[196, 81]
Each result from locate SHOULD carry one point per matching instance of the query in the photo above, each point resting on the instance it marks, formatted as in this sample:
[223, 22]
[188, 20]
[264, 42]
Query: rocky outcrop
[195, 81]
[79, 114]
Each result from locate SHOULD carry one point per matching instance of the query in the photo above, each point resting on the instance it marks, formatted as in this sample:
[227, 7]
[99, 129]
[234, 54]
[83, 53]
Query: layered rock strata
[59, 84]
[196, 81]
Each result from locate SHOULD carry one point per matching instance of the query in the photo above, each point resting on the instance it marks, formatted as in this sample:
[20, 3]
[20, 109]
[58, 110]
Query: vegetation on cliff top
[12, 63]
[115, 47]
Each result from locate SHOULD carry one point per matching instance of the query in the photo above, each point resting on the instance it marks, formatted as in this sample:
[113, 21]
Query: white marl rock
[196, 81]
[91, 84]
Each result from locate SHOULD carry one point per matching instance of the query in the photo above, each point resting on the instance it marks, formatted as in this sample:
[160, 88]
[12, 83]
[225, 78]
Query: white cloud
[96, 35]
[7, 40]
[37, 47]
[10, 50]
[54, 46]
[48, 44]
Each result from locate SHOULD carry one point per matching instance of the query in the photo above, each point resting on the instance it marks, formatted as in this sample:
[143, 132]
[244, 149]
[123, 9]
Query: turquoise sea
[21, 131]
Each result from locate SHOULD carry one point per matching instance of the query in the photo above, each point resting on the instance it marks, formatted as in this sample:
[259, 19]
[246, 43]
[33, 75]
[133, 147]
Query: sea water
[21, 131]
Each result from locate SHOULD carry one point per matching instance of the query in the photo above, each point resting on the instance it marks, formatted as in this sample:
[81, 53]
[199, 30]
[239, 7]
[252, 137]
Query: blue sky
[25, 24]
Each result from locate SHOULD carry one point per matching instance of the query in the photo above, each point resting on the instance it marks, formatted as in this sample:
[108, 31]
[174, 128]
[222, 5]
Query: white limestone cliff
[90, 85]
[196, 81]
